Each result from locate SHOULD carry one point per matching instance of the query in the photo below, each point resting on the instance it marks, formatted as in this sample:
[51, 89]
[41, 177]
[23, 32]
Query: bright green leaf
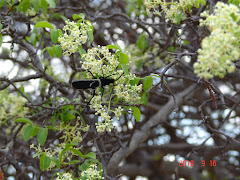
[24, 120]
[142, 42]
[144, 98]
[179, 18]
[147, 83]
[125, 69]
[78, 16]
[52, 128]
[2, 2]
[91, 155]
[81, 51]
[73, 162]
[33, 39]
[57, 50]
[27, 133]
[35, 131]
[44, 24]
[44, 6]
[123, 58]
[51, 51]
[75, 16]
[44, 162]
[134, 81]
[57, 162]
[90, 35]
[114, 47]
[51, 3]
[84, 166]
[82, 16]
[36, 5]
[54, 35]
[136, 113]
[42, 135]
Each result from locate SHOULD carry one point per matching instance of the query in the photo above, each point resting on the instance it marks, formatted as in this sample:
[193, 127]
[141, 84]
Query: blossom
[221, 48]
[175, 10]
[92, 172]
[74, 36]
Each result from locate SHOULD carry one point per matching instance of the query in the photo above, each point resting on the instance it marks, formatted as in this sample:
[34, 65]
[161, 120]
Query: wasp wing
[85, 84]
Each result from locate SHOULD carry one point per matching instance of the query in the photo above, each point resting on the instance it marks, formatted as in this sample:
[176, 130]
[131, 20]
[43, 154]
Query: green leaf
[134, 81]
[136, 113]
[36, 5]
[125, 69]
[24, 5]
[75, 16]
[51, 51]
[78, 16]
[179, 18]
[54, 35]
[51, 3]
[44, 6]
[27, 133]
[64, 18]
[114, 47]
[24, 120]
[144, 98]
[81, 51]
[0, 40]
[52, 128]
[57, 50]
[44, 162]
[77, 152]
[82, 16]
[204, 2]
[55, 116]
[84, 166]
[57, 162]
[0, 25]
[123, 58]
[33, 39]
[142, 42]
[42, 135]
[44, 24]
[90, 35]
[91, 155]
[2, 2]
[73, 162]
[147, 83]
[35, 131]
[139, 3]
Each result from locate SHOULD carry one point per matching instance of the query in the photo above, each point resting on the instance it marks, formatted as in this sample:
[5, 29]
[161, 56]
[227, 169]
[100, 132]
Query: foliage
[165, 92]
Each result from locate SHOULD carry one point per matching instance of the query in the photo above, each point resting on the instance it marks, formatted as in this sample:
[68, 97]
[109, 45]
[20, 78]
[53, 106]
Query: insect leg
[89, 100]
[91, 74]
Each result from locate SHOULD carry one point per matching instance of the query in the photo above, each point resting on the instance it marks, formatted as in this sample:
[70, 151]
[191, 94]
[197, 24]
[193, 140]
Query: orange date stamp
[191, 163]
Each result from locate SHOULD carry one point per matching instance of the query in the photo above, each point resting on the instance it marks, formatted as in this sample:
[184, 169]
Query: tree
[158, 89]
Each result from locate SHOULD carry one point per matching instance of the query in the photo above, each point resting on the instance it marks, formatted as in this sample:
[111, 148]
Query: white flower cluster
[73, 132]
[49, 152]
[101, 63]
[13, 105]
[222, 46]
[64, 176]
[74, 35]
[174, 10]
[92, 173]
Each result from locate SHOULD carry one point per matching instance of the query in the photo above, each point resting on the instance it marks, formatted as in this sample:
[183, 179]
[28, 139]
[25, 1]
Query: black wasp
[94, 83]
